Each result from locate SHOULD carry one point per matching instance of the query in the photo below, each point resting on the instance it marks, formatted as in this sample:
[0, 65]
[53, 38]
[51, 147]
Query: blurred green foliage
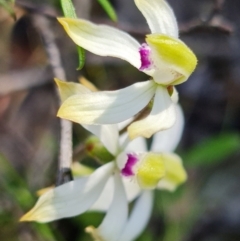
[213, 150]
[18, 199]
[69, 12]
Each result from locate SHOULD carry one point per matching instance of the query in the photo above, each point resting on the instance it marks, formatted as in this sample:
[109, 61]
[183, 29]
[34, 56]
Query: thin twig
[65, 157]
[217, 8]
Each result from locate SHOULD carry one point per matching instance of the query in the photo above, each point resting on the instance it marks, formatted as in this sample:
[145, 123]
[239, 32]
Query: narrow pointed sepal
[139, 216]
[107, 107]
[132, 190]
[67, 89]
[162, 116]
[159, 16]
[167, 140]
[108, 134]
[116, 217]
[70, 199]
[102, 40]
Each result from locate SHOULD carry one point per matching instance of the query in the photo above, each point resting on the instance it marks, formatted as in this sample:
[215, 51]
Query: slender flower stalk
[163, 57]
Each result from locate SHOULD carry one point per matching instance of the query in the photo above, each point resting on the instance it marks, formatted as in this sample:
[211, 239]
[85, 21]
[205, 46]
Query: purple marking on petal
[145, 57]
[128, 168]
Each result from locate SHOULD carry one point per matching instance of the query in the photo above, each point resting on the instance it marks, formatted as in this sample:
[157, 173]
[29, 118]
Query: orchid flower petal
[139, 217]
[167, 140]
[161, 117]
[70, 199]
[175, 172]
[132, 190]
[107, 134]
[138, 144]
[88, 84]
[104, 201]
[159, 16]
[102, 40]
[108, 107]
[116, 217]
[67, 89]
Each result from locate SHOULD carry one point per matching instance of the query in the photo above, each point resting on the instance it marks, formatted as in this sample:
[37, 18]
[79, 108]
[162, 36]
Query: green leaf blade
[106, 5]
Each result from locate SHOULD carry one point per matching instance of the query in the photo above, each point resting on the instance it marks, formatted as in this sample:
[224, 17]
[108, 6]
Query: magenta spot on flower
[145, 56]
[128, 168]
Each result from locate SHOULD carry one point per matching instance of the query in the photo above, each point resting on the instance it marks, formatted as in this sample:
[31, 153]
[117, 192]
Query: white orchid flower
[164, 58]
[164, 142]
[78, 196]
[54, 204]
[175, 175]
[109, 187]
